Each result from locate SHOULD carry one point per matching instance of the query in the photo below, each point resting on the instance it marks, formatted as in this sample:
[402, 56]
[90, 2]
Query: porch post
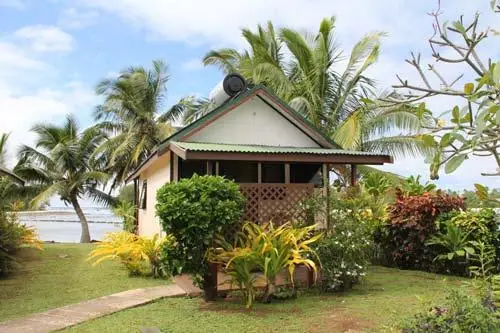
[210, 170]
[326, 190]
[287, 173]
[176, 168]
[353, 175]
[217, 168]
[259, 173]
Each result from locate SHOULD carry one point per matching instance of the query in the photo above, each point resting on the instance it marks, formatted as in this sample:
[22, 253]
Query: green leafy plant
[376, 184]
[344, 252]
[460, 313]
[126, 210]
[140, 255]
[194, 211]
[14, 236]
[483, 260]
[412, 186]
[454, 243]
[269, 250]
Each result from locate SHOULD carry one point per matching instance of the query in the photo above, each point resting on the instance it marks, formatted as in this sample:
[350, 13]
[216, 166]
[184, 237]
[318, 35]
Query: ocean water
[61, 224]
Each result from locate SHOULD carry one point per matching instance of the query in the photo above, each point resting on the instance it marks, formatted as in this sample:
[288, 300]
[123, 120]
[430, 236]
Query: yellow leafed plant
[269, 250]
[140, 255]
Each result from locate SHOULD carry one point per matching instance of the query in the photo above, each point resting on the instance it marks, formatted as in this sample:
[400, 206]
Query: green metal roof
[257, 149]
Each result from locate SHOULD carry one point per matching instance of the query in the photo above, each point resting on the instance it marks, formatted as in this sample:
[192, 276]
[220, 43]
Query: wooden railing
[276, 202]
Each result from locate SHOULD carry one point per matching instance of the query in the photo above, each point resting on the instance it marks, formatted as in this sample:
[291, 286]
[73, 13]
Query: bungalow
[276, 156]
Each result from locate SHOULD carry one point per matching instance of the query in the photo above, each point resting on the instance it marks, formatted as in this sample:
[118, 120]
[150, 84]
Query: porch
[274, 180]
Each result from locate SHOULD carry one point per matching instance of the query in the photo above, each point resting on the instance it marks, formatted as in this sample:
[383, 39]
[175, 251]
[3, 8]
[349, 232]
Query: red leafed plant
[412, 222]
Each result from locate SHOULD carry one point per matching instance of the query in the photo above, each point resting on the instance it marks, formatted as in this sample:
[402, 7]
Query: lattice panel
[276, 202]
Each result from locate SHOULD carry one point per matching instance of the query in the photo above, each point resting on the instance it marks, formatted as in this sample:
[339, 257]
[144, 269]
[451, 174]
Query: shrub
[194, 211]
[478, 229]
[13, 236]
[140, 255]
[411, 186]
[344, 252]
[126, 210]
[461, 313]
[269, 250]
[412, 223]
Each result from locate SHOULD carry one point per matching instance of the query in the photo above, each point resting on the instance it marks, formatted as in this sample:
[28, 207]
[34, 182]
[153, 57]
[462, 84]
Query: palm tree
[341, 104]
[60, 162]
[134, 117]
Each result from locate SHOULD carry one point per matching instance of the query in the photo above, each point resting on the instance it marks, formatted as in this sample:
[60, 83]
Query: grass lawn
[58, 276]
[377, 305]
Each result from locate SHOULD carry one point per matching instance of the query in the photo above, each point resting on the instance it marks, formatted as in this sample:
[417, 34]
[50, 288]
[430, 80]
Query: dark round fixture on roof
[233, 84]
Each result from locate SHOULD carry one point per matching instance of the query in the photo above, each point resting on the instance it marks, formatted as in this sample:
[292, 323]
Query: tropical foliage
[194, 211]
[134, 117]
[60, 163]
[266, 249]
[126, 211]
[461, 313]
[412, 222]
[140, 255]
[344, 252]
[13, 236]
[304, 71]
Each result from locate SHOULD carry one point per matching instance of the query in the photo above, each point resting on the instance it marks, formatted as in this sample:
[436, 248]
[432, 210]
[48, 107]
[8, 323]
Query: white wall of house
[253, 122]
[156, 175]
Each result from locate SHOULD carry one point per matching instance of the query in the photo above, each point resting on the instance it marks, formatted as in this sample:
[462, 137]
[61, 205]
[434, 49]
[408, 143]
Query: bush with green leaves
[126, 211]
[13, 236]
[461, 313]
[463, 238]
[194, 211]
[344, 252]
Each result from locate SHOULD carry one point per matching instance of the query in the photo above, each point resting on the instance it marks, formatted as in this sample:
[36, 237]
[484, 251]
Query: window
[238, 171]
[273, 173]
[190, 167]
[306, 173]
[144, 195]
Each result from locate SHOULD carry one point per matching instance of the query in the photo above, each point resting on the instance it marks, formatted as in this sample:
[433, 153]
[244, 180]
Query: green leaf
[428, 140]
[455, 113]
[454, 163]
[460, 253]
[446, 140]
[481, 191]
[367, 100]
[458, 136]
[496, 73]
[451, 255]
[469, 88]
[469, 250]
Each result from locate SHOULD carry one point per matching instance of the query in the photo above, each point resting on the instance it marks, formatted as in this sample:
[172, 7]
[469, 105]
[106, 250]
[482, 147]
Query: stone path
[71, 315]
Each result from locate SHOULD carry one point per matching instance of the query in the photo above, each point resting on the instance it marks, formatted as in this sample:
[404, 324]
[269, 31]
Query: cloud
[45, 38]
[30, 92]
[76, 18]
[192, 65]
[17, 4]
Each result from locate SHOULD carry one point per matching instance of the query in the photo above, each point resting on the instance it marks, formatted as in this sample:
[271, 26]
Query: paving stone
[71, 315]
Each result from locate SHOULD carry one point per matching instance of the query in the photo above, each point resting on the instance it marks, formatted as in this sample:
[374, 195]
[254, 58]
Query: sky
[53, 52]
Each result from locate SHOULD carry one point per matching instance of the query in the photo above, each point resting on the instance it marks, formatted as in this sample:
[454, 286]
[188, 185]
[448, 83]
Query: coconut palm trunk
[85, 236]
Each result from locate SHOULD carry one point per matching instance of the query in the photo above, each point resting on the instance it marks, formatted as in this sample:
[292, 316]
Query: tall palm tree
[60, 162]
[340, 103]
[134, 117]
